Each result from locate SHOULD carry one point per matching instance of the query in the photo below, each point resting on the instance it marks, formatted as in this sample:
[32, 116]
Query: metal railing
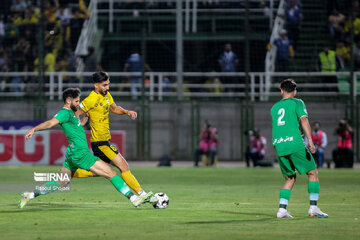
[87, 34]
[271, 54]
[196, 84]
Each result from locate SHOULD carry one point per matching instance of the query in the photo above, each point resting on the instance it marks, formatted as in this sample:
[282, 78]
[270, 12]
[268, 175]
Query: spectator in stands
[16, 19]
[84, 11]
[343, 52]
[63, 17]
[355, 6]
[284, 51]
[208, 144]
[49, 60]
[72, 65]
[336, 25]
[294, 20]
[228, 62]
[134, 64]
[288, 3]
[72, 61]
[257, 149]
[2, 30]
[91, 62]
[18, 63]
[343, 155]
[319, 138]
[167, 85]
[76, 23]
[356, 53]
[353, 24]
[329, 62]
[51, 7]
[61, 64]
[217, 85]
[19, 6]
[91, 65]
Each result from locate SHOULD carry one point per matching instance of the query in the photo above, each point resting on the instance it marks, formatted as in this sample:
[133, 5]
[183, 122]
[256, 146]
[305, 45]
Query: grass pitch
[205, 203]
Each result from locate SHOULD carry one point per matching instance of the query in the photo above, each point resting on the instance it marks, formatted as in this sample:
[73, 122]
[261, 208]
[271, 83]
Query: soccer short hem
[104, 150]
[84, 162]
[301, 161]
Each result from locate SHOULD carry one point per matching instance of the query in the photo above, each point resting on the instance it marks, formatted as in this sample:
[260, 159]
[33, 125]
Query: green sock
[121, 186]
[285, 195]
[314, 190]
[46, 188]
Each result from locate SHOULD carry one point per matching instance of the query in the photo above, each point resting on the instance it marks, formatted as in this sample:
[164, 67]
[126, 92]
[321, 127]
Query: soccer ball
[163, 200]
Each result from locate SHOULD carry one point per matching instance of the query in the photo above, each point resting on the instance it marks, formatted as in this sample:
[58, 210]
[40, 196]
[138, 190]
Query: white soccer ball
[163, 200]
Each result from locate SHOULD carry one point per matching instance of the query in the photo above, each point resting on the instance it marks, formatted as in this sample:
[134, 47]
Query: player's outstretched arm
[121, 111]
[307, 129]
[84, 120]
[43, 126]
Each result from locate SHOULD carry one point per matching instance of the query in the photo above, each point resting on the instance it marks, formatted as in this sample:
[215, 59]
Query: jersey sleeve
[62, 116]
[87, 104]
[301, 109]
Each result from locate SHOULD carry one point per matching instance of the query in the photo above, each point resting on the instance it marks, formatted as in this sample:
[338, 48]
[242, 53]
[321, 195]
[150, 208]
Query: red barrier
[44, 148]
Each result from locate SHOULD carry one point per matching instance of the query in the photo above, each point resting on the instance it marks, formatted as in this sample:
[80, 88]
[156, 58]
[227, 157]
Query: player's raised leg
[314, 190]
[46, 188]
[120, 162]
[285, 194]
[102, 169]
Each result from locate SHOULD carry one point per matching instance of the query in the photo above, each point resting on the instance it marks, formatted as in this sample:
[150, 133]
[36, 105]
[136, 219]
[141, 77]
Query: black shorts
[104, 150]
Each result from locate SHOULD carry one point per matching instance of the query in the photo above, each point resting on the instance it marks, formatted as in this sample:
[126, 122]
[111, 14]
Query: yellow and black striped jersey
[98, 107]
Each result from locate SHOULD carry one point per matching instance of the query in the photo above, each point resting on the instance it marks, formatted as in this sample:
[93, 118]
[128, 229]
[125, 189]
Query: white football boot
[25, 198]
[153, 200]
[142, 199]
[283, 213]
[316, 212]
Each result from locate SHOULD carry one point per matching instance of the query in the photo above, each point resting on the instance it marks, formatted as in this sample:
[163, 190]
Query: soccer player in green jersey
[291, 150]
[77, 154]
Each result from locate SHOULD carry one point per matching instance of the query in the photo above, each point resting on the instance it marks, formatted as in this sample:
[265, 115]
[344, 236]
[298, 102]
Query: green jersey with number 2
[286, 136]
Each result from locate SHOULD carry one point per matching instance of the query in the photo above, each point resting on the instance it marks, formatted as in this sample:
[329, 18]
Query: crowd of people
[19, 32]
[344, 28]
[287, 41]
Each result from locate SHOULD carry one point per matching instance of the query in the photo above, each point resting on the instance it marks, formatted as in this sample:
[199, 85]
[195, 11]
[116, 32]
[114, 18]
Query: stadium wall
[164, 134]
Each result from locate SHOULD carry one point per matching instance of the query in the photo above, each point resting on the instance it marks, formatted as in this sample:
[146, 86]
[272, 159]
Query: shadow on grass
[41, 207]
[249, 213]
[260, 217]
[230, 221]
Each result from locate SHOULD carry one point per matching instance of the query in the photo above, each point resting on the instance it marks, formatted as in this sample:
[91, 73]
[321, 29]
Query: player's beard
[103, 92]
[73, 107]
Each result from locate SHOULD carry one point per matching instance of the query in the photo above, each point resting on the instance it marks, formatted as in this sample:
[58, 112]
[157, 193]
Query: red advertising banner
[44, 148]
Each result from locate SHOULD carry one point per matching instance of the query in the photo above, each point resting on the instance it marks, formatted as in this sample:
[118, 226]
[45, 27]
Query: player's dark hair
[100, 77]
[71, 93]
[288, 85]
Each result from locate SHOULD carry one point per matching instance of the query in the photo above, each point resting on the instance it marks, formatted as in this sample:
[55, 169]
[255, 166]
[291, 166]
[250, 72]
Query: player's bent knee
[291, 178]
[120, 163]
[312, 173]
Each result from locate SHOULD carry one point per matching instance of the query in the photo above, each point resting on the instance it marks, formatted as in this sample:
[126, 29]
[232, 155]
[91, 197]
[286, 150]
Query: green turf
[223, 203]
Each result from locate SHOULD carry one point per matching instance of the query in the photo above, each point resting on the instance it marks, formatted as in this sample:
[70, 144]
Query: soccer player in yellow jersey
[97, 106]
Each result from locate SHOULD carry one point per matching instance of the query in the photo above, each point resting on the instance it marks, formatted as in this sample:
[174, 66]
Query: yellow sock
[81, 173]
[131, 181]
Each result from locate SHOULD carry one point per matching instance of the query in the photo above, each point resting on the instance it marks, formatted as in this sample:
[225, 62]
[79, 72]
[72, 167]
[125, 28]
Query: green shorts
[83, 161]
[301, 161]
